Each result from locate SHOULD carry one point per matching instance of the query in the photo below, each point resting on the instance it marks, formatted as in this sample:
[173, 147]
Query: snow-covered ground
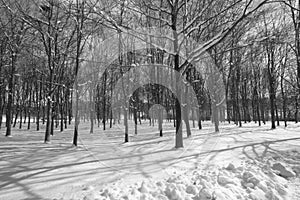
[238, 163]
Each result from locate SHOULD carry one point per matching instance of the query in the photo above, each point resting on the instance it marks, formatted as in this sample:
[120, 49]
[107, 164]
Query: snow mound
[247, 181]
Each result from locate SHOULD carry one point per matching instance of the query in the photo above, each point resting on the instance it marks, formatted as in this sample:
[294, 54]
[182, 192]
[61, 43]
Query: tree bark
[10, 96]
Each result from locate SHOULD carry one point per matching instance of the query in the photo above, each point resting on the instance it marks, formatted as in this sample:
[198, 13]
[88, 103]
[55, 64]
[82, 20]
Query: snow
[248, 182]
[234, 164]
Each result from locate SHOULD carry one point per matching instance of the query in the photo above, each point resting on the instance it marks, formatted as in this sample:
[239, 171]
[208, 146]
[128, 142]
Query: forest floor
[149, 167]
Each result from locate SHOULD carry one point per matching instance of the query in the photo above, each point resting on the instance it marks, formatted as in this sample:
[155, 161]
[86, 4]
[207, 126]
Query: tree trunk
[237, 96]
[277, 117]
[17, 113]
[10, 96]
[20, 122]
[29, 108]
[272, 91]
[186, 113]
[296, 109]
[52, 124]
[79, 26]
[38, 103]
[92, 107]
[179, 139]
[199, 118]
[1, 107]
[48, 123]
[104, 101]
[75, 137]
[283, 100]
[215, 115]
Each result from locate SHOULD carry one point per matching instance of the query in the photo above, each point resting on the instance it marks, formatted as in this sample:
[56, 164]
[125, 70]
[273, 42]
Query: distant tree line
[56, 68]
